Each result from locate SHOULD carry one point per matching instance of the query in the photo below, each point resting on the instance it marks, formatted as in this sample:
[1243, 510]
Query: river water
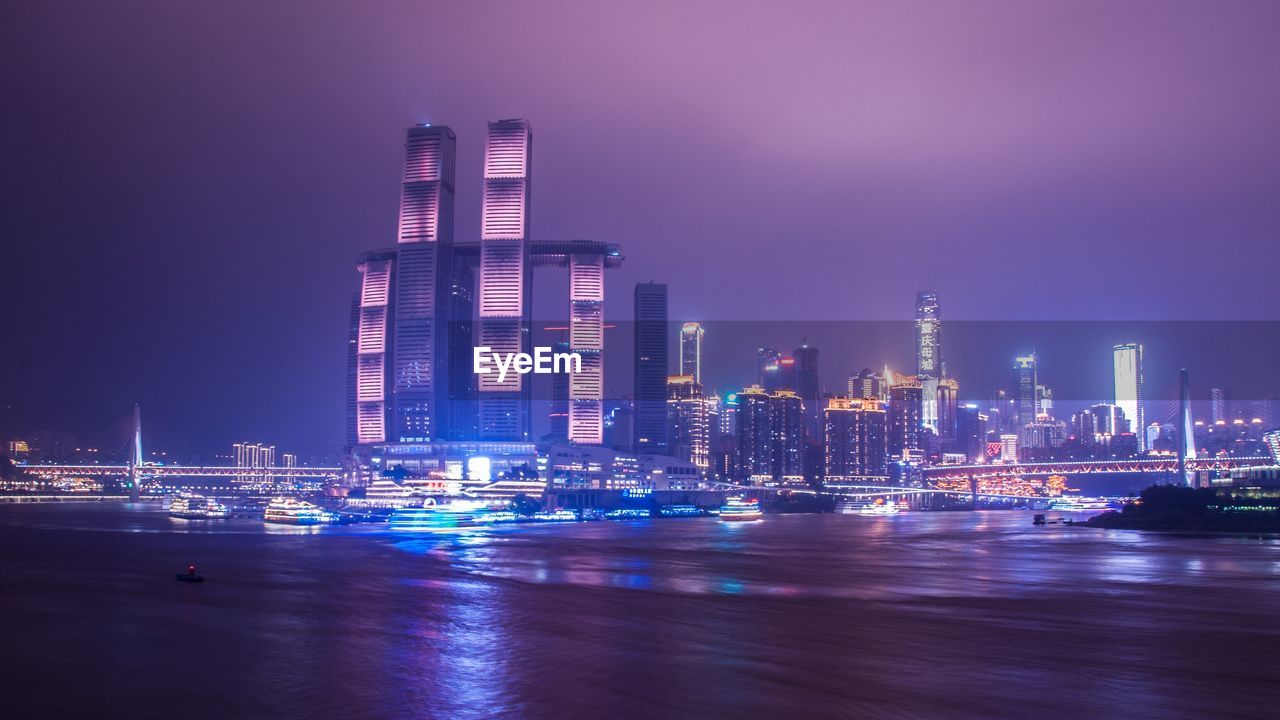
[922, 615]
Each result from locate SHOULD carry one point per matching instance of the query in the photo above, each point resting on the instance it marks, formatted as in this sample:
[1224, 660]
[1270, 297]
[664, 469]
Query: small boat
[196, 507]
[880, 507]
[739, 510]
[189, 576]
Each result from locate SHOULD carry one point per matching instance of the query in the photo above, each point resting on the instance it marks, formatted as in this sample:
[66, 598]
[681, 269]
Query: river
[921, 615]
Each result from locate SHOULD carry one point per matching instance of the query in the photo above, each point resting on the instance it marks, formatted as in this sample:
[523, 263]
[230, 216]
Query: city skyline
[274, 259]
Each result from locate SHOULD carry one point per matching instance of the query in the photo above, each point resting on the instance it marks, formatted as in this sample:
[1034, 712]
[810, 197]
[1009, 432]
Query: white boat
[292, 511]
[880, 507]
[195, 507]
[1079, 504]
[739, 510]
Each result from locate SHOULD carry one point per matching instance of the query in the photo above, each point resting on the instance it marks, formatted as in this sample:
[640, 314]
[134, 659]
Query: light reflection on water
[970, 615]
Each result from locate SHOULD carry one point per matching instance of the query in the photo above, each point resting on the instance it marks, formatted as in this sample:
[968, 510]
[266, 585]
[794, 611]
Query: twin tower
[424, 304]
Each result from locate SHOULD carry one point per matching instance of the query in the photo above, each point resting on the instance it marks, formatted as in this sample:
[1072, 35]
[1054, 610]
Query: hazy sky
[187, 185]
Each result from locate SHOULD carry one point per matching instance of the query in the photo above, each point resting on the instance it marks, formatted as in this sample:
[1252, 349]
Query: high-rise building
[767, 368]
[691, 351]
[424, 245]
[971, 432]
[372, 417]
[1009, 448]
[505, 277]
[687, 423]
[1025, 368]
[787, 427]
[868, 384]
[948, 393]
[650, 328]
[905, 426]
[808, 387]
[1218, 404]
[754, 436]
[586, 338]
[1128, 387]
[855, 441]
[787, 376]
[928, 355]
[1044, 402]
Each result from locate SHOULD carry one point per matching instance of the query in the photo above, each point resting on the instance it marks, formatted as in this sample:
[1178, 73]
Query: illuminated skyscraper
[650, 328]
[371, 347]
[1025, 367]
[948, 391]
[855, 441]
[1217, 405]
[691, 351]
[754, 436]
[905, 402]
[868, 384]
[586, 337]
[424, 242]
[505, 279]
[971, 432]
[687, 421]
[808, 387]
[787, 429]
[1128, 388]
[928, 355]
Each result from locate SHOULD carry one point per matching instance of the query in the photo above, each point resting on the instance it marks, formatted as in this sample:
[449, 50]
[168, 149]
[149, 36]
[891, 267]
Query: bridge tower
[1186, 431]
[135, 462]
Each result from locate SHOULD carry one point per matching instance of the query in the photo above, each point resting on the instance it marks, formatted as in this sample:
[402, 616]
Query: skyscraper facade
[691, 350]
[586, 338]
[948, 393]
[808, 387]
[787, 427]
[372, 417]
[688, 426]
[754, 436]
[855, 442]
[424, 244]
[650, 376]
[905, 426]
[1128, 387]
[505, 279]
[1024, 366]
[928, 355]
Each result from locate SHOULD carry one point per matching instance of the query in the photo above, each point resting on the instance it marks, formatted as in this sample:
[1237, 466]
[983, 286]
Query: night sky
[187, 185]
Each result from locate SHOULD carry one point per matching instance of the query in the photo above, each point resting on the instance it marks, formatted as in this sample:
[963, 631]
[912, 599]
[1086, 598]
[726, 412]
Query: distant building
[809, 388]
[1127, 361]
[688, 431]
[754, 436]
[948, 392]
[868, 384]
[691, 351]
[1024, 366]
[1009, 448]
[650, 377]
[906, 403]
[855, 442]
[971, 432]
[928, 355]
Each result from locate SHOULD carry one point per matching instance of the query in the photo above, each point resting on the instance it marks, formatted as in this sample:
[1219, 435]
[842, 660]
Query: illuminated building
[867, 384]
[787, 431]
[855, 442]
[948, 392]
[1218, 404]
[650, 377]
[586, 337]
[582, 467]
[687, 429]
[1009, 448]
[1128, 387]
[928, 355]
[767, 368]
[787, 374]
[1044, 402]
[971, 432]
[691, 351]
[418, 353]
[808, 387]
[255, 458]
[905, 427]
[372, 419]
[1025, 368]
[505, 277]
[754, 436]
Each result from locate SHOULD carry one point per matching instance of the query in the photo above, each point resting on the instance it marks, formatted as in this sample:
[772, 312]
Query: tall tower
[424, 243]
[586, 337]
[371, 346]
[928, 355]
[650, 329]
[1027, 408]
[808, 387]
[1128, 388]
[1186, 431]
[691, 351]
[687, 422]
[505, 276]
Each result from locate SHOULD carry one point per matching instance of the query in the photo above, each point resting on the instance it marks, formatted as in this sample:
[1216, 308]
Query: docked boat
[1079, 504]
[292, 511]
[195, 507]
[739, 510]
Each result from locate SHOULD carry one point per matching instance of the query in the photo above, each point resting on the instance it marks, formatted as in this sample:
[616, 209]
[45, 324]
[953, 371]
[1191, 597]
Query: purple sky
[187, 185]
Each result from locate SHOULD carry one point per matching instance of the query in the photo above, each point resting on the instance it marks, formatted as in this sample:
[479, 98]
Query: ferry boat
[1078, 504]
[432, 517]
[739, 510]
[879, 507]
[292, 511]
[195, 507]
